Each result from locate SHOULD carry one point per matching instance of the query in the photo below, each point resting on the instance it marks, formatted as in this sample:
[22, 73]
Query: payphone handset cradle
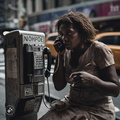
[49, 61]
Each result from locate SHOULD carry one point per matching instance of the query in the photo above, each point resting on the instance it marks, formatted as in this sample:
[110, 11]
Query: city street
[54, 93]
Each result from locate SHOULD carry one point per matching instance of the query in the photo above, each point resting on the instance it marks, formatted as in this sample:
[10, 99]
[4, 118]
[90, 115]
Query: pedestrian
[88, 66]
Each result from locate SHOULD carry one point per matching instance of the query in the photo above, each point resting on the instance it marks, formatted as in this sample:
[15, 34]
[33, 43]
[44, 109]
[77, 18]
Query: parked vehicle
[112, 39]
[50, 38]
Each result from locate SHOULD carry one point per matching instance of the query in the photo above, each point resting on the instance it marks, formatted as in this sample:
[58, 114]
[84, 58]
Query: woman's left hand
[82, 78]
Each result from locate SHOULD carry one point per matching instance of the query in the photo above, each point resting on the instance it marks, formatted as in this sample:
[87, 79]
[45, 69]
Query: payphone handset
[49, 61]
[25, 72]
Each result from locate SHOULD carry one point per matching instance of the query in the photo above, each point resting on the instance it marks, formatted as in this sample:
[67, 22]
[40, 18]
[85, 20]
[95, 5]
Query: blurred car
[50, 38]
[112, 39]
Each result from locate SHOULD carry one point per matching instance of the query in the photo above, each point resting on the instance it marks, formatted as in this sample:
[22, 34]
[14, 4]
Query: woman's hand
[82, 78]
[59, 46]
[59, 105]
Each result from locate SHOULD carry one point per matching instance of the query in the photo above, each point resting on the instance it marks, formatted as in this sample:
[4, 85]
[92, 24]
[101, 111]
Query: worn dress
[87, 103]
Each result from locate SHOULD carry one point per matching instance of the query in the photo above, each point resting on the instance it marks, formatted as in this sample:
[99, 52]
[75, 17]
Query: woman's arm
[108, 84]
[59, 73]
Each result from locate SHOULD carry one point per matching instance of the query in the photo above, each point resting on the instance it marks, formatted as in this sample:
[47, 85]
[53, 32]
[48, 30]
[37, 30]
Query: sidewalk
[43, 109]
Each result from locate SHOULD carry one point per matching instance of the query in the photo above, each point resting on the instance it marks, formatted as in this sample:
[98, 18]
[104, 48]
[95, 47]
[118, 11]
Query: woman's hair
[80, 22]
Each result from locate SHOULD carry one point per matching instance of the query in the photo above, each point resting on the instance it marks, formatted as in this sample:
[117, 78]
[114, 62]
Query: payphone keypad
[38, 60]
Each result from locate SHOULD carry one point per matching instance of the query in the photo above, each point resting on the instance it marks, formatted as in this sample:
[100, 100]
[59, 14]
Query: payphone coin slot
[28, 91]
[32, 90]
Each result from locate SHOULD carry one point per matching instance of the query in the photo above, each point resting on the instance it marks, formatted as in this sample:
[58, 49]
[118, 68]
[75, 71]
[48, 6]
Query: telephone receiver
[49, 61]
[59, 45]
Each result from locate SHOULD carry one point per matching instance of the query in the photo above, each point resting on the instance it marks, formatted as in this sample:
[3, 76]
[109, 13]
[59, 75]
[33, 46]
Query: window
[44, 4]
[58, 3]
[75, 1]
[52, 38]
[117, 40]
[110, 40]
[25, 3]
[33, 5]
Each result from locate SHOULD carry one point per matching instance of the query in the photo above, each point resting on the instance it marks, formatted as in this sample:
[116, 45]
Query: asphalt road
[54, 93]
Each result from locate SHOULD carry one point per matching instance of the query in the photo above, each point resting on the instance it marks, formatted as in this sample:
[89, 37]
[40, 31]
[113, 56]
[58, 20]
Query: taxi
[111, 39]
[50, 38]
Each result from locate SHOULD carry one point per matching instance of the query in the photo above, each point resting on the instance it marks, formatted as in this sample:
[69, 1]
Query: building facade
[13, 13]
[26, 14]
[42, 14]
[34, 7]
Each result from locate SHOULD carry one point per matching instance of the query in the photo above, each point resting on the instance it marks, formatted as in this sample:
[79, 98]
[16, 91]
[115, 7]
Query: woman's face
[70, 36]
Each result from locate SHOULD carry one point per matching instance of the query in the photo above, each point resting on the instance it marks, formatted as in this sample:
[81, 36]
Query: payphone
[25, 73]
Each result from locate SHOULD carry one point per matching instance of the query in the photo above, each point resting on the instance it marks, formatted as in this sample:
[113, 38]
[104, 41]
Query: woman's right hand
[59, 46]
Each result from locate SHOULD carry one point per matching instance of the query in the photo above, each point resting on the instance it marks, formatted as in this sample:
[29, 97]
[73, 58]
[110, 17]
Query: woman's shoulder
[99, 46]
